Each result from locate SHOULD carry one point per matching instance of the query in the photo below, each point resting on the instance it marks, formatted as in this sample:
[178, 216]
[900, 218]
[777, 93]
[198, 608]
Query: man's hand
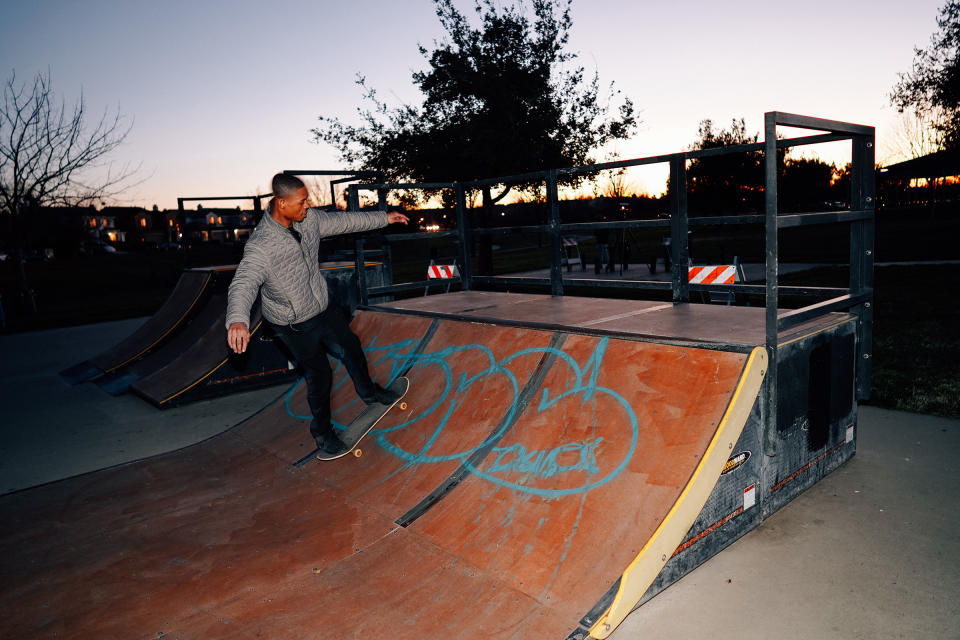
[238, 337]
[396, 216]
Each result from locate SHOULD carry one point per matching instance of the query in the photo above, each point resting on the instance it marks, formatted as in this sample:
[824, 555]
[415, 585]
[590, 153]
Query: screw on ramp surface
[531, 472]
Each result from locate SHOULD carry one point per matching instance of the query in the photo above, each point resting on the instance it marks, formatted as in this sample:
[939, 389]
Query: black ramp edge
[455, 478]
[583, 629]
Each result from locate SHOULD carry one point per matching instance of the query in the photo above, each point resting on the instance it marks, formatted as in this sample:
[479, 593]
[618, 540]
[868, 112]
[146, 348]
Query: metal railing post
[556, 242]
[463, 229]
[353, 198]
[772, 268]
[863, 197]
[680, 252]
[361, 271]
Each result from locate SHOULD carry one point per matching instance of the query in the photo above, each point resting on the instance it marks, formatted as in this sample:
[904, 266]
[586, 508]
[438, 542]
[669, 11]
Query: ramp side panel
[612, 419]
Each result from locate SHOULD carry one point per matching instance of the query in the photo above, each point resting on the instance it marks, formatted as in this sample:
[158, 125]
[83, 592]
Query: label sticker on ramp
[749, 497]
[849, 433]
[737, 460]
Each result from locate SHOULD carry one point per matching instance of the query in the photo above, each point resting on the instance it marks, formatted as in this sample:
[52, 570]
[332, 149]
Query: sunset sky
[223, 94]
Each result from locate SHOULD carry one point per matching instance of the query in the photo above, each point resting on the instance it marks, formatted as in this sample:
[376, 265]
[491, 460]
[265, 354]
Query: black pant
[309, 342]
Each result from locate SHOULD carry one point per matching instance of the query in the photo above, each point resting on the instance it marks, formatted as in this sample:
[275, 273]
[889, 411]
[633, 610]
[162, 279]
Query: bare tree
[47, 155]
[616, 184]
[914, 135]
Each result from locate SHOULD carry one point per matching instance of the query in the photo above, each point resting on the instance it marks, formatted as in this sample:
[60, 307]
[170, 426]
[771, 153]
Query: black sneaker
[382, 396]
[331, 444]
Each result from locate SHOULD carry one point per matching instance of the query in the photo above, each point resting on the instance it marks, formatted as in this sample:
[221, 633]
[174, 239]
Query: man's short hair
[284, 185]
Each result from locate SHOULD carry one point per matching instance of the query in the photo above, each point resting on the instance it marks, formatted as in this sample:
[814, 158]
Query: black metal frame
[857, 299]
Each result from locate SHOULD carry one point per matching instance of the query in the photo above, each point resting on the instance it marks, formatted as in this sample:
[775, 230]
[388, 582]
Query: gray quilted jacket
[287, 273]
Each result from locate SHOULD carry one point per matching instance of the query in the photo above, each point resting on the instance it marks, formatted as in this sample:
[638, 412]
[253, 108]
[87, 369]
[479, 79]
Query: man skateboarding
[280, 261]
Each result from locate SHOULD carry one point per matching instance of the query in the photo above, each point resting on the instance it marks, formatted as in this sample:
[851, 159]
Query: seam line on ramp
[523, 400]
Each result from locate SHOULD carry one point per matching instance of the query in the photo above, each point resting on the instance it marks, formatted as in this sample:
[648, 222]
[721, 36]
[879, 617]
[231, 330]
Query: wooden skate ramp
[533, 488]
[184, 301]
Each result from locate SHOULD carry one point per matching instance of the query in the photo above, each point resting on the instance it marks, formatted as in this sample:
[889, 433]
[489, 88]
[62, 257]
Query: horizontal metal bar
[519, 177]
[703, 153]
[618, 164]
[331, 172]
[739, 219]
[405, 186]
[597, 283]
[808, 122]
[822, 217]
[419, 235]
[530, 228]
[350, 179]
[761, 289]
[617, 224]
[409, 286]
[798, 316]
[223, 197]
[511, 280]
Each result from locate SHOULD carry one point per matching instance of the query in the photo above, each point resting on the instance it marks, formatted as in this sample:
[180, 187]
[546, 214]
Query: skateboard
[362, 425]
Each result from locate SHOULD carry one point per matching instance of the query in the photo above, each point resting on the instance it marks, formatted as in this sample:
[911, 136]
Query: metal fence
[856, 299]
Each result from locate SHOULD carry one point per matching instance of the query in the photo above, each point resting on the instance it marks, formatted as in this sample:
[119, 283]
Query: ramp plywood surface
[529, 470]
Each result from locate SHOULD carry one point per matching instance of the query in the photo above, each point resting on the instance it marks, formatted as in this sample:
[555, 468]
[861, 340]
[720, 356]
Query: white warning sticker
[749, 497]
[849, 433]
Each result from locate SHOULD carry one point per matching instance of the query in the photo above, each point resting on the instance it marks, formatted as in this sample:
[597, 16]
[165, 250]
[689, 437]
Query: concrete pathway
[871, 552]
[50, 430]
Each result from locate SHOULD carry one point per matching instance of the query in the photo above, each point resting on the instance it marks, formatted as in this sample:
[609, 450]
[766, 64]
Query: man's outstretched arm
[332, 223]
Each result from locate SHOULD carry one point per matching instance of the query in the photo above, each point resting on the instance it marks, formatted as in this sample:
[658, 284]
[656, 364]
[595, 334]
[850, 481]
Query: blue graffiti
[545, 464]
[513, 467]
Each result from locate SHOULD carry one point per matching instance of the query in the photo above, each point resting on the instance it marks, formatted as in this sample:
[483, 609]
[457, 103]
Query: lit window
[170, 222]
[93, 222]
[143, 222]
[219, 220]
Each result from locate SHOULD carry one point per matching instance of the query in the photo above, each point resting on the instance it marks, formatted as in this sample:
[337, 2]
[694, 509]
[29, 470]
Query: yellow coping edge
[642, 571]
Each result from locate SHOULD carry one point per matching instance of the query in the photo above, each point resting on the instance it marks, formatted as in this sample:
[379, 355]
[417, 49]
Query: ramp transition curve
[533, 488]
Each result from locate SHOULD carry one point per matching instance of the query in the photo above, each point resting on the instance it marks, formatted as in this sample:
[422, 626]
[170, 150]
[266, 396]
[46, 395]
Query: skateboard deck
[362, 425]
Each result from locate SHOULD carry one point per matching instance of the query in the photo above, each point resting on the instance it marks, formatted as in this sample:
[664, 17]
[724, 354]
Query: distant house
[218, 225]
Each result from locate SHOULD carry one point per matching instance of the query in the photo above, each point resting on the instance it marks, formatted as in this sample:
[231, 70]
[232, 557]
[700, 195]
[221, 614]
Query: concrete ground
[50, 430]
[872, 551]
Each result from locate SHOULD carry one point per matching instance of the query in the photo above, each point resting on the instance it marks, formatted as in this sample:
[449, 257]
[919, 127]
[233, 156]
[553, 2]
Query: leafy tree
[734, 182]
[728, 183]
[501, 98]
[931, 89]
[46, 152]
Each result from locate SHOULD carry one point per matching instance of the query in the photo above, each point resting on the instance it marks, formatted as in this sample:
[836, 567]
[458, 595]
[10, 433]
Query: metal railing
[856, 299]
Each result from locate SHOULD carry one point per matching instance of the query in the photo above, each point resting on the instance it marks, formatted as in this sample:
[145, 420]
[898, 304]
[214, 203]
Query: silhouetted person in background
[280, 262]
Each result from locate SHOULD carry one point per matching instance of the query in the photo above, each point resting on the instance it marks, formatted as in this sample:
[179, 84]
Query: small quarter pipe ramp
[535, 487]
[183, 303]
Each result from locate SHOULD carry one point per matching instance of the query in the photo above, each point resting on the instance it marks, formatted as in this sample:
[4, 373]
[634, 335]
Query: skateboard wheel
[357, 453]
[403, 406]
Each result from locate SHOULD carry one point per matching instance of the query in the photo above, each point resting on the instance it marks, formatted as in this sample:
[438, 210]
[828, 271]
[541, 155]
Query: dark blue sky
[223, 94]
